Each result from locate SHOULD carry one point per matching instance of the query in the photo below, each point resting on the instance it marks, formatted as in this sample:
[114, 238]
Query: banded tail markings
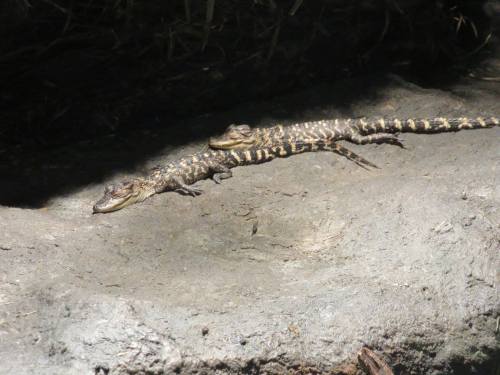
[259, 154]
[444, 123]
[411, 124]
[248, 155]
[235, 156]
[364, 125]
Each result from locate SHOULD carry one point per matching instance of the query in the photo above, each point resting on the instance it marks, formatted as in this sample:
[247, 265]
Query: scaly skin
[358, 131]
[244, 137]
[180, 174]
[242, 145]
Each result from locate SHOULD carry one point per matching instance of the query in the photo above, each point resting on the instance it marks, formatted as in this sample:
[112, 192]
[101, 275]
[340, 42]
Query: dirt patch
[288, 266]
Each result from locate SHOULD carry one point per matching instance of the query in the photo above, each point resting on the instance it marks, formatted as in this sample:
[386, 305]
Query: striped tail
[435, 125]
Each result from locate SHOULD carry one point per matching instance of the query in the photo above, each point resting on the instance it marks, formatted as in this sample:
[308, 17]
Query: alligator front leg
[220, 172]
[182, 187]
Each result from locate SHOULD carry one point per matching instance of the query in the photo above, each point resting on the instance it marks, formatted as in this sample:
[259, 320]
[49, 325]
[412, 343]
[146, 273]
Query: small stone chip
[205, 331]
[255, 227]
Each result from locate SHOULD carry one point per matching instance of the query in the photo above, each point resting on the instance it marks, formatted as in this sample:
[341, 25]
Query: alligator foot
[372, 363]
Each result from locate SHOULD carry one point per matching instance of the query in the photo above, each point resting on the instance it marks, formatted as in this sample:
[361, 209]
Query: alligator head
[118, 196]
[235, 136]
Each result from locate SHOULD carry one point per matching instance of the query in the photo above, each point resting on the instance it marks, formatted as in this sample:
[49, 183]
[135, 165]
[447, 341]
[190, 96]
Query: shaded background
[80, 68]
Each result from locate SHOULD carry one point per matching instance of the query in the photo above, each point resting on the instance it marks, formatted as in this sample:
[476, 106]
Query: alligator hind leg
[362, 162]
[352, 156]
[374, 138]
[221, 172]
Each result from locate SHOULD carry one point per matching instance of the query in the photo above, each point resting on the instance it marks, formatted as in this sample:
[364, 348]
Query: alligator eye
[108, 189]
[231, 127]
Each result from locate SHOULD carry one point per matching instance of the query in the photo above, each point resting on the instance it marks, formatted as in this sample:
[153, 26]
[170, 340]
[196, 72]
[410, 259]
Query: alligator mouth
[230, 144]
[101, 208]
[224, 144]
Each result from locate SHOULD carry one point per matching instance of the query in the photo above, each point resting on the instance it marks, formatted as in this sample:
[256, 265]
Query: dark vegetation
[86, 85]
[72, 69]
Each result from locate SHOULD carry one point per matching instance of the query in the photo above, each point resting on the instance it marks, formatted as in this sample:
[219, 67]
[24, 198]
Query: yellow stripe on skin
[444, 122]
[412, 124]
[397, 124]
[259, 155]
[236, 156]
[465, 123]
[481, 121]
[427, 124]
[248, 156]
[364, 125]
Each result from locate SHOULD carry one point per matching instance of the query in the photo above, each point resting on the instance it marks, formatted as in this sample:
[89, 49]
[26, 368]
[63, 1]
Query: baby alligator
[358, 131]
[178, 175]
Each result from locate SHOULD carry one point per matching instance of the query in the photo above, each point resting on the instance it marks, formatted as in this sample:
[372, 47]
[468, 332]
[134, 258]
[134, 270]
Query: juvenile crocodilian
[242, 145]
[216, 164]
[359, 131]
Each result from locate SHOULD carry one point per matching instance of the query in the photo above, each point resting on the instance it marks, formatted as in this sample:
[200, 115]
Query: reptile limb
[221, 172]
[352, 156]
[374, 138]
